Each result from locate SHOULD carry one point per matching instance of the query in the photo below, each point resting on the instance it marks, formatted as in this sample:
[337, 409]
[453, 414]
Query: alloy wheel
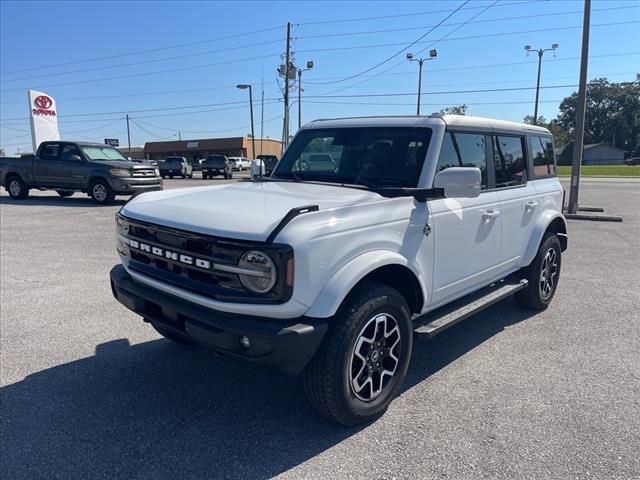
[375, 357]
[100, 192]
[548, 273]
[15, 188]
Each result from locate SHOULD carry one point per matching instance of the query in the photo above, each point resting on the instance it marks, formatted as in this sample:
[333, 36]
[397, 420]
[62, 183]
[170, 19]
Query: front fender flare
[328, 301]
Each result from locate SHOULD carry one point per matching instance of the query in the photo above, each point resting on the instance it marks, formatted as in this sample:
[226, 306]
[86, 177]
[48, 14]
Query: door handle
[489, 214]
[531, 205]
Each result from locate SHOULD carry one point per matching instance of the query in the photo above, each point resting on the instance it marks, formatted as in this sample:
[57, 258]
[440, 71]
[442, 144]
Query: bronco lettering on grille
[175, 256]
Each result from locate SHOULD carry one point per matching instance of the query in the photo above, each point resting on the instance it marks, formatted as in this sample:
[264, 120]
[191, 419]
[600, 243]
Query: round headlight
[260, 272]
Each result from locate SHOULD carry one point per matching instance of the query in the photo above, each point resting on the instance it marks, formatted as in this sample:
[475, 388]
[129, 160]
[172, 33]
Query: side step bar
[432, 323]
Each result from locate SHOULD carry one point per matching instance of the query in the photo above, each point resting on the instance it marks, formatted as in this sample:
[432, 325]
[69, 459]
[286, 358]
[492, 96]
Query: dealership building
[197, 149]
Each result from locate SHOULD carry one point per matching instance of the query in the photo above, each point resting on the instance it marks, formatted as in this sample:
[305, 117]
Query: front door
[73, 171]
[466, 231]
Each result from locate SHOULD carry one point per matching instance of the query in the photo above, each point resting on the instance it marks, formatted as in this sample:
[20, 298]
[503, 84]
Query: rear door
[518, 204]
[46, 165]
[467, 231]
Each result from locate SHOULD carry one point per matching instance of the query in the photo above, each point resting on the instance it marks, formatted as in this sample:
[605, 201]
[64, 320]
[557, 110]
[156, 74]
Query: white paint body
[357, 231]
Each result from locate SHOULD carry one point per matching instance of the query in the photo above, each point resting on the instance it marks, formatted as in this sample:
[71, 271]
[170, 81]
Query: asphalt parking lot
[90, 391]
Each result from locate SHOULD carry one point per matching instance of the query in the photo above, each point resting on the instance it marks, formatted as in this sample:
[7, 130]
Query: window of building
[543, 157]
[464, 150]
[509, 162]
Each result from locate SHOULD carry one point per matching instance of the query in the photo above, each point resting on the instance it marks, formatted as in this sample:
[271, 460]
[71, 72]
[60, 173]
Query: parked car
[176, 167]
[319, 161]
[632, 161]
[67, 167]
[216, 165]
[269, 161]
[332, 274]
[240, 163]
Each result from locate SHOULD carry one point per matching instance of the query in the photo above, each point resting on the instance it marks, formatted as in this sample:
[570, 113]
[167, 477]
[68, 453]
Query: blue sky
[341, 38]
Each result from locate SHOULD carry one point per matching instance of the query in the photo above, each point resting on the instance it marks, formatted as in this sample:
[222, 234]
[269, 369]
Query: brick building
[197, 149]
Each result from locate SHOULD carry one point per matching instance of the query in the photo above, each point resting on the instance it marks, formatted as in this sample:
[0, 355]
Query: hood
[120, 164]
[243, 210]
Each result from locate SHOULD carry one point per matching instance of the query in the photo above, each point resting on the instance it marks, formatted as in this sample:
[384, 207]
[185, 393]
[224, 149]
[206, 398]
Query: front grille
[214, 250]
[143, 172]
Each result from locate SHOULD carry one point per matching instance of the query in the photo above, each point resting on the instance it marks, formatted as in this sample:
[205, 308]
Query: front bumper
[285, 346]
[131, 185]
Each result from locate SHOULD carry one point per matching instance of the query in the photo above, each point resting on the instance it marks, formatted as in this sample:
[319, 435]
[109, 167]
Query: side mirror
[75, 158]
[459, 182]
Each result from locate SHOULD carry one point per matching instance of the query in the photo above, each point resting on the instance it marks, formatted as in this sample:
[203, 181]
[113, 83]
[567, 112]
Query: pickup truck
[217, 165]
[332, 270]
[67, 167]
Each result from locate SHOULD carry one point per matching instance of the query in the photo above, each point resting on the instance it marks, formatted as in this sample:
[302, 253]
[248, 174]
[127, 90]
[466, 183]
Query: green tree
[612, 115]
[454, 110]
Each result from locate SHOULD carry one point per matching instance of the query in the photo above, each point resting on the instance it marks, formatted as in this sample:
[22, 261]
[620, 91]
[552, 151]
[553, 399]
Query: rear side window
[464, 150]
[50, 152]
[543, 156]
[509, 161]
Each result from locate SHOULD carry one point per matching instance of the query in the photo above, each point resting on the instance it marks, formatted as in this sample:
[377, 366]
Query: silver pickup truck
[67, 167]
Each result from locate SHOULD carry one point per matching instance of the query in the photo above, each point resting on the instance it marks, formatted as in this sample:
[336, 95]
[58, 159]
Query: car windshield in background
[172, 162]
[368, 156]
[103, 153]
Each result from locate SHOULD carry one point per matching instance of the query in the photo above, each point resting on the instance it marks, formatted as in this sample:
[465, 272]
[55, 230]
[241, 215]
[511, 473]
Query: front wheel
[101, 192]
[362, 362]
[17, 189]
[543, 275]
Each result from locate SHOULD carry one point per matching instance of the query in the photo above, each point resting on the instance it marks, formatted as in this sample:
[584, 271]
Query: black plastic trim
[291, 214]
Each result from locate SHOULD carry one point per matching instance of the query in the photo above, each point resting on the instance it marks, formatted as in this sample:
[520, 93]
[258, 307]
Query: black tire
[101, 192]
[16, 187]
[171, 176]
[183, 176]
[64, 193]
[230, 175]
[329, 378]
[543, 275]
[172, 336]
[226, 176]
[163, 176]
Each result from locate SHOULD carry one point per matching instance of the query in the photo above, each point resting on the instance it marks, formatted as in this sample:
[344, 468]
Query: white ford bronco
[331, 269]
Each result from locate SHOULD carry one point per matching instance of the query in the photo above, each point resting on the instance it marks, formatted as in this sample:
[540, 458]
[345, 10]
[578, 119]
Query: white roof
[460, 122]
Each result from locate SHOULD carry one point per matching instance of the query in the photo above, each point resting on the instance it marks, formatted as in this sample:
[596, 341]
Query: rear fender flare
[538, 232]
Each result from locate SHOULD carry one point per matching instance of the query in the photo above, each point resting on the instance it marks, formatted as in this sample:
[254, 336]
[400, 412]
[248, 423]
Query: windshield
[172, 162]
[368, 156]
[104, 153]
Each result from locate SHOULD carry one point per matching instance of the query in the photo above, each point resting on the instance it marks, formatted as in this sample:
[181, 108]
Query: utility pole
[179, 135]
[286, 88]
[128, 135]
[262, 117]
[540, 54]
[578, 139]
[432, 54]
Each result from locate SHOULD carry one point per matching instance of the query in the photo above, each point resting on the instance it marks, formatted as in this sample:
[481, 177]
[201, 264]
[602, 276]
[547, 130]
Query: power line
[102, 79]
[413, 14]
[155, 60]
[519, 32]
[138, 52]
[404, 29]
[397, 53]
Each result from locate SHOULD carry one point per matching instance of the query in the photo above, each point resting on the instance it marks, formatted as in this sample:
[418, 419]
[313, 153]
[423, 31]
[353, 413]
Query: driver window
[50, 152]
[68, 151]
[464, 150]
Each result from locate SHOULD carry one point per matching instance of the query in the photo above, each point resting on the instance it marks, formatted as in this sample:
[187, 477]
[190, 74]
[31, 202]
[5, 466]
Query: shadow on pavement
[158, 410]
[77, 200]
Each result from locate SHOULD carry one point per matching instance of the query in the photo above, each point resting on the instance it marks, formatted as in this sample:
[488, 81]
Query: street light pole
[432, 54]
[540, 54]
[300, 70]
[244, 86]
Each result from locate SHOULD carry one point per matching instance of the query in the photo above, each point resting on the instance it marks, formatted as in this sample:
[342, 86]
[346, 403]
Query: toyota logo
[43, 101]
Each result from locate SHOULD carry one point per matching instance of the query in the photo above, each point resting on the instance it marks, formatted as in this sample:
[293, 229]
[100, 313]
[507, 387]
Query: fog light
[244, 342]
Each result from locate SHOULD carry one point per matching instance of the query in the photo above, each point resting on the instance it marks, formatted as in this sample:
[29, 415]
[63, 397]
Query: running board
[432, 323]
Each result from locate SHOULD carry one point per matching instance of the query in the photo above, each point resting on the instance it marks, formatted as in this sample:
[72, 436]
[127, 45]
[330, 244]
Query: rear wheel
[543, 275]
[64, 193]
[101, 192]
[362, 362]
[17, 189]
